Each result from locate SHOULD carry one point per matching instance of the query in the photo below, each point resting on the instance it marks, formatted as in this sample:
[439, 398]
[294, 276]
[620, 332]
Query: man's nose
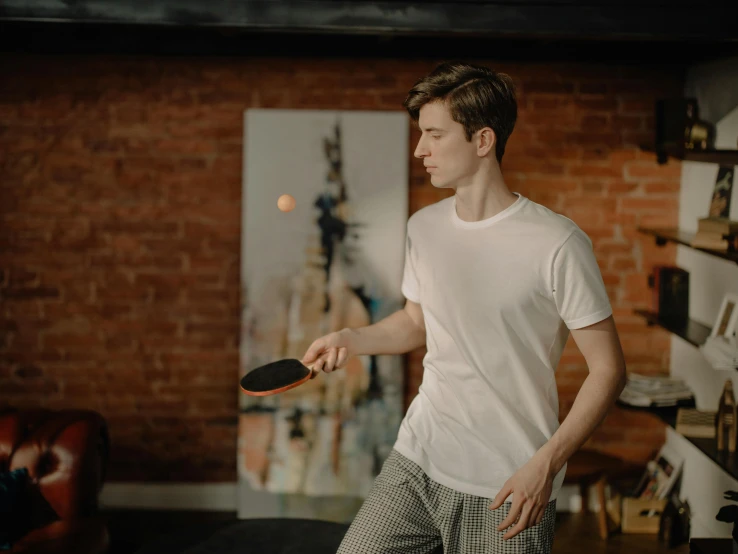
[420, 151]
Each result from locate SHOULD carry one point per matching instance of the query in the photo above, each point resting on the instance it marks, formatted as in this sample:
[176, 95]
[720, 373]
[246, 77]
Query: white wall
[715, 86]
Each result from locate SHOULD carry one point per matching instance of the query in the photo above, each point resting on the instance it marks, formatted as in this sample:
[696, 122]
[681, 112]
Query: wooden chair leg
[584, 493]
[602, 514]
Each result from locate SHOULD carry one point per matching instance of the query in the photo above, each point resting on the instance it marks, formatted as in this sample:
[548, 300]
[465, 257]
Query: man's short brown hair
[476, 97]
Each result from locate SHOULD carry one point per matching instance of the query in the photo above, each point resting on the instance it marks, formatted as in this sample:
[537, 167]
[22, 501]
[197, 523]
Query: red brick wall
[120, 183]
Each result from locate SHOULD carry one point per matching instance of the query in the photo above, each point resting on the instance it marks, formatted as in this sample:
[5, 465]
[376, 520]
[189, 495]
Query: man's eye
[436, 136]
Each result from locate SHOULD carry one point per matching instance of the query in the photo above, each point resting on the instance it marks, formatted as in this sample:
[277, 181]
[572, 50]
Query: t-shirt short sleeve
[410, 285]
[578, 288]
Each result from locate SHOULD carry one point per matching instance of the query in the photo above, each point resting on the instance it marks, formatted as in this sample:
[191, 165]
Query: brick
[595, 88]
[629, 123]
[650, 205]
[30, 293]
[593, 137]
[596, 170]
[22, 277]
[547, 87]
[28, 372]
[620, 188]
[636, 138]
[670, 187]
[645, 169]
[594, 121]
[636, 106]
[596, 103]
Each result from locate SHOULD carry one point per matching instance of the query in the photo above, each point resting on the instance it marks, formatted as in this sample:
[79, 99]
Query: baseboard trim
[170, 496]
[223, 497]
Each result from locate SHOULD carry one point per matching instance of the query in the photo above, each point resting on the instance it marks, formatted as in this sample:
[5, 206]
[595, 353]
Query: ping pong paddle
[276, 377]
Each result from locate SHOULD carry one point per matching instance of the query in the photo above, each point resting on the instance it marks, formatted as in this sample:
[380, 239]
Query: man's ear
[486, 140]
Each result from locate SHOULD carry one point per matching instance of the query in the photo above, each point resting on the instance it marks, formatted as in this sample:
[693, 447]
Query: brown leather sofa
[66, 454]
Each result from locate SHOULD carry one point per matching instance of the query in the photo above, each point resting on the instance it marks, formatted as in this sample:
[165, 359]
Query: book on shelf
[726, 242]
[654, 391]
[716, 233]
[718, 225]
[692, 422]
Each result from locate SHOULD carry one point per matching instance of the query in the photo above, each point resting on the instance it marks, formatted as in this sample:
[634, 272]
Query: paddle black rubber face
[275, 376]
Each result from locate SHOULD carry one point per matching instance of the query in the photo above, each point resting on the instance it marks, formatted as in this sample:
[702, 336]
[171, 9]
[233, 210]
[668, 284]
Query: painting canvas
[334, 261]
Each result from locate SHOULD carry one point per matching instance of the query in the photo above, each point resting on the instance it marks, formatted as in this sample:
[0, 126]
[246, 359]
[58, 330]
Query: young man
[494, 285]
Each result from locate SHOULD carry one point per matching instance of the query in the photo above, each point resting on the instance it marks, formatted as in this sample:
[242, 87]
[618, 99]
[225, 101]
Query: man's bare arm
[600, 346]
[398, 333]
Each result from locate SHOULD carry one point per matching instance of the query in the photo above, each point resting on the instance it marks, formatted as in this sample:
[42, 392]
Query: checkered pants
[408, 513]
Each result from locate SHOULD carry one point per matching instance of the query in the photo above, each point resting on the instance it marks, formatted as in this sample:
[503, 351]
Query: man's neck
[483, 199]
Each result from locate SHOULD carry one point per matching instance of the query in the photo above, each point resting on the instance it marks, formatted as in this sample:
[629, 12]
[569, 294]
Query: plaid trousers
[408, 513]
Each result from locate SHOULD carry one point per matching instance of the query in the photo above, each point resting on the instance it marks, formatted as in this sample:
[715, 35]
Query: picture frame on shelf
[722, 192]
[725, 323]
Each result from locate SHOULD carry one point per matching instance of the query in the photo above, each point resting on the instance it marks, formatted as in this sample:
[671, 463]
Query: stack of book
[716, 233]
[646, 391]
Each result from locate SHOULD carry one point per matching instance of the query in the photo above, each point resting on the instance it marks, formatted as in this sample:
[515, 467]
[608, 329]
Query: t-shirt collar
[514, 207]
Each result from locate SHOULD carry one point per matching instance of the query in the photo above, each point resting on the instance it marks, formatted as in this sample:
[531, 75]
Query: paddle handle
[313, 373]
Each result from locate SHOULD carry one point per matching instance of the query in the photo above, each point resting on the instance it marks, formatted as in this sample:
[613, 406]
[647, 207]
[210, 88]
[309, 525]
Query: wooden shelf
[685, 238]
[728, 462]
[723, 157]
[693, 332]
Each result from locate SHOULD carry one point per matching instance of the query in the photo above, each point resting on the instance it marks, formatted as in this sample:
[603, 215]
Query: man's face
[450, 159]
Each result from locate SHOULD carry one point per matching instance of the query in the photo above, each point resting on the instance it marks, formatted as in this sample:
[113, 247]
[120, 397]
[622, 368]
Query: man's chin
[438, 183]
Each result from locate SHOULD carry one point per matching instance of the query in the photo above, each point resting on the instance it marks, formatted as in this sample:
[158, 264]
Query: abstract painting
[334, 261]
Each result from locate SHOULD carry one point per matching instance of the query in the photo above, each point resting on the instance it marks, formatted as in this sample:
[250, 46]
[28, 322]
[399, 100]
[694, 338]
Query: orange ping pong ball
[286, 203]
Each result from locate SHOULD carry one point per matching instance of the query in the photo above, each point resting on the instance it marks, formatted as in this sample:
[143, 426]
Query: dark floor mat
[257, 536]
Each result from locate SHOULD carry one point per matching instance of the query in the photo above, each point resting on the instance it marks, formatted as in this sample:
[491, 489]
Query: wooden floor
[575, 533]
[578, 533]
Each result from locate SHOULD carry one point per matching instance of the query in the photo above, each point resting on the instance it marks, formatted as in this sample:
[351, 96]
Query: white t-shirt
[498, 297]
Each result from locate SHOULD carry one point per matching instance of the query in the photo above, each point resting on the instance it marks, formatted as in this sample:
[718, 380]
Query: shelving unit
[728, 462]
[684, 238]
[723, 157]
[693, 332]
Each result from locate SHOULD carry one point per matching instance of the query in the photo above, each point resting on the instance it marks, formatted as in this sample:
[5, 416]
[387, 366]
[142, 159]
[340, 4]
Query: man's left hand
[531, 488]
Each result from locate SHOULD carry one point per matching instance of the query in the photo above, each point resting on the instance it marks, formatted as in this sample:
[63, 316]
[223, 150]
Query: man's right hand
[331, 351]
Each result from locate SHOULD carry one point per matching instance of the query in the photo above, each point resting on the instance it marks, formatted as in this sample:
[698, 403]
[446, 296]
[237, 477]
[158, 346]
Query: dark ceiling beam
[595, 19]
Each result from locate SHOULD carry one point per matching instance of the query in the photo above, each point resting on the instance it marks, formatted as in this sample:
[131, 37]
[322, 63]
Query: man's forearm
[596, 395]
[395, 334]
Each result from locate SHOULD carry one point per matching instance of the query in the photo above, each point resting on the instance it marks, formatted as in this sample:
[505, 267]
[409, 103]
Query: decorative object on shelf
[721, 352]
[648, 391]
[643, 508]
[675, 522]
[726, 418]
[721, 347]
[722, 193]
[725, 324]
[694, 423]
[729, 514]
[678, 126]
[716, 233]
[660, 476]
[670, 293]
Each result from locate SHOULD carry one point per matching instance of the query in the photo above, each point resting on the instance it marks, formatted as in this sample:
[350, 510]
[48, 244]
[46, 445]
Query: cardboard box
[641, 516]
